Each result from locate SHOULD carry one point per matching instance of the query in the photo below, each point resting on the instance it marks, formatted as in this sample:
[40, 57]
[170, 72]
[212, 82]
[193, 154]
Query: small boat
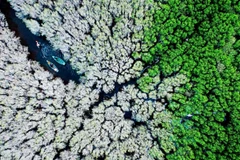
[38, 44]
[59, 60]
[50, 64]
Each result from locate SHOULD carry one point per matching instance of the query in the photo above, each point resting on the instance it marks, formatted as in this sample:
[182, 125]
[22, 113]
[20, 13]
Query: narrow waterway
[65, 72]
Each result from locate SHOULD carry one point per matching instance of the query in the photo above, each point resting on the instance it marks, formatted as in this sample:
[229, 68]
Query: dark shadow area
[65, 72]
[227, 119]
[128, 114]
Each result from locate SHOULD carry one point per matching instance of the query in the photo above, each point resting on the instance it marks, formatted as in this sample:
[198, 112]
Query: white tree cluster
[97, 36]
[41, 118]
[34, 107]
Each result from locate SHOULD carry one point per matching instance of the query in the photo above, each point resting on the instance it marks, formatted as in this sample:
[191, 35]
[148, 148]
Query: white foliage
[33, 25]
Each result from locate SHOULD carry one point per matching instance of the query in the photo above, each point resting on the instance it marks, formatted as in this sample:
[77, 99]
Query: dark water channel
[65, 72]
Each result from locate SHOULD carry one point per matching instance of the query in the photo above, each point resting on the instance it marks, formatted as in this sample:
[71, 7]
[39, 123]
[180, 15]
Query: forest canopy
[161, 81]
[199, 39]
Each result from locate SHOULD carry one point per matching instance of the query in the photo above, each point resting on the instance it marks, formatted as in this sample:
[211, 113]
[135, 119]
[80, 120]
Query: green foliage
[148, 58]
[144, 83]
[152, 72]
[136, 55]
[201, 40]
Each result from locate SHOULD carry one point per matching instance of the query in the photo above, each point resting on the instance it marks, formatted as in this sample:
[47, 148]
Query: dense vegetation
[188, 64]
[201, 40]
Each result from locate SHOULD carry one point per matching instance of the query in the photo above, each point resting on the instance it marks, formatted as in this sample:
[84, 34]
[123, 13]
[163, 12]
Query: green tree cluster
[200, 39]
